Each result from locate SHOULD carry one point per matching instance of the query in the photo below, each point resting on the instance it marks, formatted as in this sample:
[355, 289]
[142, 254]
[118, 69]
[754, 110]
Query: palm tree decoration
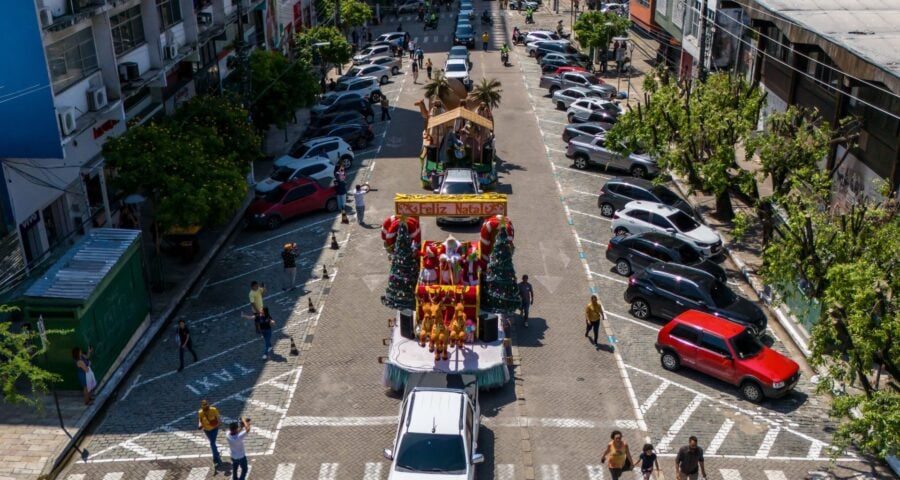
[487, 93]
[439, 88]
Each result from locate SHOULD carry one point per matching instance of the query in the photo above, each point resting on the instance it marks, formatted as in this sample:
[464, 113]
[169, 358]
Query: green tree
[402, 281]
[353, 12]
[500, 292]
[693, 129]
[280, 87]
[224, 114]
[487, 92]
[18, 350]
[595, 29]
[338, 50]
[847, 261]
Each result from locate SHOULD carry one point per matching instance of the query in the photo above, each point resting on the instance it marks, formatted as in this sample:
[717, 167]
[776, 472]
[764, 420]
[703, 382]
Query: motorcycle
[432, 24]
[487, 20]
[529, 18]
[504, 57]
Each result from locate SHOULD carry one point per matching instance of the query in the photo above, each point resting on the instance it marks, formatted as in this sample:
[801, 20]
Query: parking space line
[248, 272]
[599, 244]
[598, 175]
[337, 421]
[186, 435]
[144, 452]
[676, 427]
[582, 192]
[815, 449]
[636, 322]
[272, 237]
[598, 217]
[645, 407]
[717, 440]
[617, 280]
[766, 446]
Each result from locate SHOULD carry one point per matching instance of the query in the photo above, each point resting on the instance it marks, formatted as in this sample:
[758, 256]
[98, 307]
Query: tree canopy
[18, 350]
[488, 92]
[239, 141]
[596, 29]
[337, 51]
[280, 87]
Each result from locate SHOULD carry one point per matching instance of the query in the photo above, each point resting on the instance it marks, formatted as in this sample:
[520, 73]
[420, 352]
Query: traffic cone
[294, 350]
[324, 271]
[312, 308]
[344, 218]
[334, 242]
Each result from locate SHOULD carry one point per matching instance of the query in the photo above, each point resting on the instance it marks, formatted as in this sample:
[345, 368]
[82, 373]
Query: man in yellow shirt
[209, 421]
[256, 296]
[592, 315]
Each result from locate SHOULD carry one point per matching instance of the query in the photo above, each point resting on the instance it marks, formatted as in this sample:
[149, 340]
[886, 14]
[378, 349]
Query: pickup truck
[577, 79]
[586, 151]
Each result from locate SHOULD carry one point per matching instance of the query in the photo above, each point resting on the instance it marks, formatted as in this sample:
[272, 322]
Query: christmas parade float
[458, 134]
[450, 295]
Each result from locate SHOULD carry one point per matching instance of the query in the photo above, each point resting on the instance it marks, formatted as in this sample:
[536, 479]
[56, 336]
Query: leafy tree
[280, 87]
[224, 114]
[338, 51]
[692, 129]
[500, 292]
[487, 92]
[353, 12]
[18, 350]
[596, 29]
[401, 286]
[847, 261]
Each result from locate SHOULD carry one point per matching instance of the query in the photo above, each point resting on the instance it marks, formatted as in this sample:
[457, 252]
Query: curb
[149, 334]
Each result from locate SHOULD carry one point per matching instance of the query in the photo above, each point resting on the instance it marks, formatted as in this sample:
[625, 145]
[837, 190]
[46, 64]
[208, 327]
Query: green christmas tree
[500, 292]
[404, 274]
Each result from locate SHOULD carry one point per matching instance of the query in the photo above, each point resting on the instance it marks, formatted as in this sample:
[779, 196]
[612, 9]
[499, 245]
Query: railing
[76, 10]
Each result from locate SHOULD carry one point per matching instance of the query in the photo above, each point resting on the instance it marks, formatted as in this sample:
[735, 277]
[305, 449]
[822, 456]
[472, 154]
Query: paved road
[325, 414]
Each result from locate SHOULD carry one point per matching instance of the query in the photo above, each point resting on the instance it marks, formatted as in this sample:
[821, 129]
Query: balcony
[62, 14]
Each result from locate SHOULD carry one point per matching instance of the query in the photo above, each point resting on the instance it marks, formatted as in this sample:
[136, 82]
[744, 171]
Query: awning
[463, 113]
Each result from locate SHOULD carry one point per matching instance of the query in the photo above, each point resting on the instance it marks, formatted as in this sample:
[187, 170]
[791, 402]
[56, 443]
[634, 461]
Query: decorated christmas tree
[401, 286]
[500, 292]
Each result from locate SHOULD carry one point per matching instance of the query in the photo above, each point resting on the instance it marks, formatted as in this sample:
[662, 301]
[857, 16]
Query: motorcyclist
[504, 53]
[529, 15]
[433, 18]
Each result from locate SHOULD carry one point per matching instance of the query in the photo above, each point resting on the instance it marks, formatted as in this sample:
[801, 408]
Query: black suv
[665, 290]
[320, 126]
[616, 192]
[634, 253]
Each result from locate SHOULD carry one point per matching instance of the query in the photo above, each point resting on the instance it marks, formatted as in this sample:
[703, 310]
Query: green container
[97, 292]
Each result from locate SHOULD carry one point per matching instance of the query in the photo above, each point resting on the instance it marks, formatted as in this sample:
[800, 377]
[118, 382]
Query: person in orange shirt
[593, 313]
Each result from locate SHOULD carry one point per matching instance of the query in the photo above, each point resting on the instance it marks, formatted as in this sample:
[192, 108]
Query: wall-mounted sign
[484, 205]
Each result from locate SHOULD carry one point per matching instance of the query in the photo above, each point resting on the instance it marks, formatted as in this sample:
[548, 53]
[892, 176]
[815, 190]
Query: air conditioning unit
[97, 97]
[66, 118]
[46, 17]
[171, 51]
[204, 19]
[129, 71]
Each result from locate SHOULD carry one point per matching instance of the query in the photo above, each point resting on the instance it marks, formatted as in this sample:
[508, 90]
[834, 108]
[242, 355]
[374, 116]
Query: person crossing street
[484, 40]
[385, 109]
[593, 313]
[208, 420]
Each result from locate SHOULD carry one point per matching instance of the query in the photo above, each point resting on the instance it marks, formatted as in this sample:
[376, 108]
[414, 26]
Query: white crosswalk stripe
[373, 471]
[775, 475]
[198, 473]
[113, 476]
[505, 471]
[679, 423]
[285, 471]
[720, 437]
[155, 475]
[595, 472]
[75, 476]
[550, 472]
[729, 474]
[328, 471]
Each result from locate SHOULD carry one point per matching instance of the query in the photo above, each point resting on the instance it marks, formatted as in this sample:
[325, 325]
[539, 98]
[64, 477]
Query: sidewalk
[32, 442]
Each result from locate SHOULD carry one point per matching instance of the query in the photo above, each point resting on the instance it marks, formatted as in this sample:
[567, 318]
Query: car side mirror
[388, 454]
[728, 357]
[478, 458]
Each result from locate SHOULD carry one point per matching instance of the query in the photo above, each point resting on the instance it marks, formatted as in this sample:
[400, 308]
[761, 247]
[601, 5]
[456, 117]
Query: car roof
[457, 61]
[317, 140]
[650, 207]
[640, 182]
[680, 271]
[709, 323]
[663, 239]
[299, 181]
[458, 174]
[437, 410]
[299, 163]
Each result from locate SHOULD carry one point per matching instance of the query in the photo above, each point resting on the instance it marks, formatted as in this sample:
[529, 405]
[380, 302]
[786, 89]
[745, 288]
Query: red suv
[290, 199]
[727, 351]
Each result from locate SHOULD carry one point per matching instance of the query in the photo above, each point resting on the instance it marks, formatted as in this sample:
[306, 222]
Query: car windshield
[592, 80]
[329, 100]
[464, 30]
[721, 295]
[282, 174]
[457, 188]
[353, 72]
[683, 222]
[342, 87]
[688, 255]
[746, 345]
[665, 195]
[428, 452]
[456, 67]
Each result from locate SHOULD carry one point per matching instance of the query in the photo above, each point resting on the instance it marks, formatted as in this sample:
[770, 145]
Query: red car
[570, 69]
[289, 200]
[727, 351]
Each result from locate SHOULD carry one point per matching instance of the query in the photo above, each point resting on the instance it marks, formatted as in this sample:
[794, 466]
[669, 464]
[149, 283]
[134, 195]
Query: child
[648, 460]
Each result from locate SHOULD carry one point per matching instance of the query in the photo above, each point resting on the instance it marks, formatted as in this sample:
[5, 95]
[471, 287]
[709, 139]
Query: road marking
[589, 194]
[599, 244]
[263, 405]
[285, 471]
[75, 476]
[617, 280]
[286, 388]
[550, 472]
[815, 449]
[505, 471]
[202, 386]
[155, 475]
[186, 436]
[262, 432]
[552, 122]
[373, 471]
[198, 473]
[328, 471]
[729, 474]
[676, 427]
[248, 272]
[598, 217]
[654, 397]
[775, 475]
[200, 289]
[766, 446]
[606, 177]
[337, 421]
[717, 440]
[636, 322]
[595, 472]
[144, 452]
[114, 476]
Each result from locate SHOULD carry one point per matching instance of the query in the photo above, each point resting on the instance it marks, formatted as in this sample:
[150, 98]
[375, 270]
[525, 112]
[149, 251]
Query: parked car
[564, 69]
[459, 52]
[368, 53]
[726, 351]
[381, 72]
[319, 126]
[639, 217]
[437, 431]
[290, 199]
[319, 169]
[356, 134]
[464, 35]
[617, 8]
[633, 253]
[395, 64]
[588, 130]
[665, 290]
[458, 181]
[396, 38]
[541, 35]
[593, 151]
[334, 148]
[552, 61]
[365, 86]
[577, 79]
[523, 4]
[411, 7]
[566, 97]
[540, 47]
[581, 110]
[617, 192]
[459, 69]
[343, 102]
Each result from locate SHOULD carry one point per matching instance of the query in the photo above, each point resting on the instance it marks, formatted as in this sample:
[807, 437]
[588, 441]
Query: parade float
[450, 296]
[457, 135]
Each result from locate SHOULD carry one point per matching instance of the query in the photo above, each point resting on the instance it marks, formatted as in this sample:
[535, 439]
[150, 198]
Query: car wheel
[620, 231]
[640, 309]
[553, 89]
[384, 79]
[623, 268]
[331, 205]
[581, 161]
[670, 361]
[395, 70]
[346, 161]
[273, 222]
[638, 171]
[571, 118]
[751, 391]
[560, 105]
[607, 210]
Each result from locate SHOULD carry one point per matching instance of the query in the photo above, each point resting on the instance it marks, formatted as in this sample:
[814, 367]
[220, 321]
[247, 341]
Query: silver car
[381, 72]
[390, 61]
[585, 151]
[369, 53]
[458, 181]
[565, 97]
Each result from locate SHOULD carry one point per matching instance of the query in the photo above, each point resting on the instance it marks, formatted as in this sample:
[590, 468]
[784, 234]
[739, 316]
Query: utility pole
[702, 73]
[240, 48]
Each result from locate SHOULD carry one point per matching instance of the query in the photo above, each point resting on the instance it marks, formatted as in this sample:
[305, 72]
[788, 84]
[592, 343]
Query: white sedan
[641, 216]
[565, 97]
[458, 68]
[319, 169]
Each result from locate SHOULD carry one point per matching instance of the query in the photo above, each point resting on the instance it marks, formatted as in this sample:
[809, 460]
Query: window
[714, 344]
[641, 215]
[72, 59]
[299, 192]
[127, 30]
[169, 13]
[686, 333]
[660, 221]
[689, 290]
[683, 222]
[638, 193]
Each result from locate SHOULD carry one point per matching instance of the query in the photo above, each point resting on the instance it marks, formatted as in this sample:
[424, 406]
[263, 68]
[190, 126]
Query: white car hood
[267, 185]
[455, 74]
[704, 234]
[284, 160]
[395, 475]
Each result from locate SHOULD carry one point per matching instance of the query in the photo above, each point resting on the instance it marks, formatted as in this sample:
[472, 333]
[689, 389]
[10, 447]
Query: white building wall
[140, 55]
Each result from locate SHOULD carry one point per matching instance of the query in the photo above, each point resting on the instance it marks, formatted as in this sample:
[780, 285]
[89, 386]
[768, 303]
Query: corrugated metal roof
[77, 273]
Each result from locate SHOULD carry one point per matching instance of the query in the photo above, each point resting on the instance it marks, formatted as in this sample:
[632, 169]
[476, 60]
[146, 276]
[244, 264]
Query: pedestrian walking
[235, 437]
[526, 293]
[208, 420]
[360, 202]
[428, 67]
[620, 58]
[420, 56]
[184, 343]
[689, 461]
[256, 296]
[85, 375]
[411, 48]
[263, 322]
[415, 71]
[289, 260]
[385, 108]
[617, 457]
[484, 40]
[340, 189]
[648, 461]
[592, 315]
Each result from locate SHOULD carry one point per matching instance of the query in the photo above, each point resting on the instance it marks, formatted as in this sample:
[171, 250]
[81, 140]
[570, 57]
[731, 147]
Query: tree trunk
[724, 209]
[766, 217]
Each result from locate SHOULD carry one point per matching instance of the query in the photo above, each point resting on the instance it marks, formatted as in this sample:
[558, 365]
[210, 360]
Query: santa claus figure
[445, 270]
[428, 275]
[470, 266]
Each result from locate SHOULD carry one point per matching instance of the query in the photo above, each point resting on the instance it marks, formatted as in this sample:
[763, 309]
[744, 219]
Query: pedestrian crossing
[379, 470]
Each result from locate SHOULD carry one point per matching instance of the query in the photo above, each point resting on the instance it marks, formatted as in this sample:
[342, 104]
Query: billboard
[28, 125]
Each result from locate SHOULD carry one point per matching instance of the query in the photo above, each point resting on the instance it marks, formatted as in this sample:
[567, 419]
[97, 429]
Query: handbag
[627, 467]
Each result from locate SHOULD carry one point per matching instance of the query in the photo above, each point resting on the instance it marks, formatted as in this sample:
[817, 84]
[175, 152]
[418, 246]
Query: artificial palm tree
[487, 93]
[439, 88]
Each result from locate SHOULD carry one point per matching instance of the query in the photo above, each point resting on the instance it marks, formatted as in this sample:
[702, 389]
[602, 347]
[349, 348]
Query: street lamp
[136, 201]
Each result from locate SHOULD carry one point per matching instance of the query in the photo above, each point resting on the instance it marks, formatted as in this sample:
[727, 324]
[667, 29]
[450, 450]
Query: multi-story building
[78, 72]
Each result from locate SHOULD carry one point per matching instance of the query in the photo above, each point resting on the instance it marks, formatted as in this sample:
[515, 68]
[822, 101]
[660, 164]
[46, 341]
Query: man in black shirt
[289, 258]
[689, 460]
[184, 343]
[526, 294]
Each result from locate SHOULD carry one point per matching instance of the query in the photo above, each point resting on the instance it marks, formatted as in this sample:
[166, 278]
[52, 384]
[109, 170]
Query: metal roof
[80, 270]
